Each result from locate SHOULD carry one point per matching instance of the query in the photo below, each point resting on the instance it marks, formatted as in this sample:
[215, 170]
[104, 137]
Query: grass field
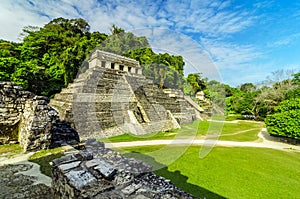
[10, 149]
[231, 172]
[226, 172]
[240, 131]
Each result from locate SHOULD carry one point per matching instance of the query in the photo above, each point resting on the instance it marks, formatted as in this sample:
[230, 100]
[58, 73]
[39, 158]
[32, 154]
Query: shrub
[285, 121]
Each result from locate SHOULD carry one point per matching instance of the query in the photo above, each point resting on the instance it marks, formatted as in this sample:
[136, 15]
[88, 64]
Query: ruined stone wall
[28, 119]
[98, 172]
[12, 104]
[36, 123]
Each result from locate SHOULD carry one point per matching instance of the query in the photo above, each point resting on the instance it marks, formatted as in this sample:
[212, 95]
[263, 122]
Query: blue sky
[231, 41]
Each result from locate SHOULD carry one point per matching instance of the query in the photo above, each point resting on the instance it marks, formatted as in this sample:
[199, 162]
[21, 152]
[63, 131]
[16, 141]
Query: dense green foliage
[258, 102]
[285, 120]
[49, 58]
[196, 82]
[164, 69]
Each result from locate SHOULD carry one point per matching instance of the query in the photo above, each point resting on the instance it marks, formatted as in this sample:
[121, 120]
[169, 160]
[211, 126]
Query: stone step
[60, 104]
[91, 126]
[65, 97]
[157, 126]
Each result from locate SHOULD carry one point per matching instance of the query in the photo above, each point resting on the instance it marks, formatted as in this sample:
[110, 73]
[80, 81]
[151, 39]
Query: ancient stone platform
[112, 97]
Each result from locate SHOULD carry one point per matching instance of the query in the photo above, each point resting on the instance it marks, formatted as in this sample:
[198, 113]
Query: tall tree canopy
[196, 81]
[49, 57]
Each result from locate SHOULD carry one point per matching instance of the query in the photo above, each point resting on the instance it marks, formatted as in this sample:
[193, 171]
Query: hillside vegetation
[48, 58]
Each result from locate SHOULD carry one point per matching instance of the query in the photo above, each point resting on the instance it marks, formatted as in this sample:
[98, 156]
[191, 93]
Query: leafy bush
[285, 121]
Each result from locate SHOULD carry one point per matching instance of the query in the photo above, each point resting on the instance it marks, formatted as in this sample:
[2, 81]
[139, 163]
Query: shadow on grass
[44, 162]
[176, 177]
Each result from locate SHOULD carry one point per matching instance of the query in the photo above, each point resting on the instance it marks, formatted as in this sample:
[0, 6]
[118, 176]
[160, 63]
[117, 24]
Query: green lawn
[231, 172]
[240, 131]
[42, 157]
[10, 149]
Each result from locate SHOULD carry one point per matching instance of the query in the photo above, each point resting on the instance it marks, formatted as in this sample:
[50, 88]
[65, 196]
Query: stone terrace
[112, 97]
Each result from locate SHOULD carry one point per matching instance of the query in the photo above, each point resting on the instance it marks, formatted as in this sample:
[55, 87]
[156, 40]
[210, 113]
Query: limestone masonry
[112, 97]
[98, 172]
[28, 119]
[92, 172]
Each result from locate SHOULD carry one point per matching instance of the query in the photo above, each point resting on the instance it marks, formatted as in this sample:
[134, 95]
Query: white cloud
[14, 18]
[176, 43]
[209, 17]
[215, 19]
[230, 55]
[284, 41]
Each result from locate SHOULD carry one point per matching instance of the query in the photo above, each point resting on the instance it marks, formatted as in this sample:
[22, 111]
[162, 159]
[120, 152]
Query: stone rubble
[98, 172]
[16, 185]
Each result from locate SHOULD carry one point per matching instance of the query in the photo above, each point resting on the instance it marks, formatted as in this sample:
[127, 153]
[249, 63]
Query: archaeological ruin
[28, 119]
[99, 172]
[111, 97]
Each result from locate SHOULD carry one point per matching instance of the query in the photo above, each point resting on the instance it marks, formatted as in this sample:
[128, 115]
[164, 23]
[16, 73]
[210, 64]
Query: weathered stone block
[83, 181]
[80, 178]
[106, 169]
[67, 166]
[64, 159]
[85, 155]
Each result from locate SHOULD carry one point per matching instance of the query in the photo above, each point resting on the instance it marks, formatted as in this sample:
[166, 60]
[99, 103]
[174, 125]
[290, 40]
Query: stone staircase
[102, 102]
[105, 102]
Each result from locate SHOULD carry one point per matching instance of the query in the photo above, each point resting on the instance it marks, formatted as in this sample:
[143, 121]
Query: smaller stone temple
[115, 62]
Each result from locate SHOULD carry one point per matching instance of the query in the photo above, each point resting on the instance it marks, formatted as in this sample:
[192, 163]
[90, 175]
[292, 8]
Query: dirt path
[265, 143]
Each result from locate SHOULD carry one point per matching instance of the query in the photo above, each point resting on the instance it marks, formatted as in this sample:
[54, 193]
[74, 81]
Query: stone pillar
[125, 68]
[37, 121]
[107, 64]
[93, 63]
[139, 71]
[133, 70]
[117, 67]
